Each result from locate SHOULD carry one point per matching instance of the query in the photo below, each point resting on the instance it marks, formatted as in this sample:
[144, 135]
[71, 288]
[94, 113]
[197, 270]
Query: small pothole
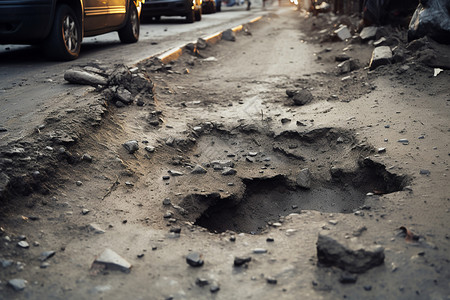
[267, 200]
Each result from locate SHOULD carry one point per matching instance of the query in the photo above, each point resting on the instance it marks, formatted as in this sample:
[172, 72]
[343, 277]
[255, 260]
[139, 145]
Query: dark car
[60, 25]
[208, 6]
[190, 9]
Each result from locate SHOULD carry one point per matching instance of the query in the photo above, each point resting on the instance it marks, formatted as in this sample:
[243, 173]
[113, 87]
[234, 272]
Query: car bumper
[24, 22]
[164, 8]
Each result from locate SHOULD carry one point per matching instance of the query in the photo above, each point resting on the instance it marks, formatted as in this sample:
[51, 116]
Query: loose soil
[228, 103]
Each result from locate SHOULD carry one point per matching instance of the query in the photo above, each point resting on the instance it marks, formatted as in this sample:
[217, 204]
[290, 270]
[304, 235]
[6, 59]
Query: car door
[95, 14]
[117, 11]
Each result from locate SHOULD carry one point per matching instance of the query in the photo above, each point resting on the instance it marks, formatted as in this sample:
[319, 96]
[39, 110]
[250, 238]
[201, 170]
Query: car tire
[190, 16]
[64, 41]
[130, 32]
[198, 15]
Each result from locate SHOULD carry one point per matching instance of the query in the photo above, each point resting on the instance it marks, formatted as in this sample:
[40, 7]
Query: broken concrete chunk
[380, 56]
[304, 178]
[351, 257]
[17, 284]
[113, 261]
[343, 33]
[198, 169]
[229, 35]
[368, 33]
[131, 146]
[83, 77]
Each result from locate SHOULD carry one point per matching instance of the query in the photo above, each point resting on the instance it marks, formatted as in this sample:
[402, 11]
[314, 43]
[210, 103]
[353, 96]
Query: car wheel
[130, 32]
[64, 41]
[190, 16]
[198, 15]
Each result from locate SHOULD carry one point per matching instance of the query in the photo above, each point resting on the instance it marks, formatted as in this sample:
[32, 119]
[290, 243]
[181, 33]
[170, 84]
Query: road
[30, 84]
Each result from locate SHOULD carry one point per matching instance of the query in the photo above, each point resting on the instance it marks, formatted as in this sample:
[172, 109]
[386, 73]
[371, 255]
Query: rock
[85, 211]
[424, 172]
[239, 261]
[194, 259]
[221, 164]
[86, 157]
[201, 282]
[176, 230]
[83, 77]
[403, 141]
[380, 42]
[368, 33]
[95, 229]
[170, 141]
[175, 173]
[113, 261]
[351, 257]
[198, 169]
[124, 96]
[300, 97]
[167, 201]
[343, 33]
[201, 44]
[259, 250]
[348, 66]
[6, 263]
[304, 179]
[399, 55]
[17, 284]
[229, 171]
[46, 255]
[380, 56]
[23, 244]
[150, 149]
[252, 153]
[214, 288]
[229, 35]
[131, 146]
[342, 57]
[347, 277]
[250, 159]
[271, 280]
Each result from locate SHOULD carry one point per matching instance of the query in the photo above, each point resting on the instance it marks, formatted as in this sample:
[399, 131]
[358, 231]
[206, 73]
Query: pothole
[272, 193]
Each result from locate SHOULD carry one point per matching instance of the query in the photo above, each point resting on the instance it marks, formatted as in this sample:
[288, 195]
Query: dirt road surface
[228, 167]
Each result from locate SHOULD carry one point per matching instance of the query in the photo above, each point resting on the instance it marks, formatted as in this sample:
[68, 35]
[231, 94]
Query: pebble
[79, 183]
[424, 172]
[198, 169]
[333, 222]
[167, 201]
[259, 250]
[17, 284]
[232, 238]
[44, 265]
[131, 146]
[165, 177]
[229, 171]
[85, 211]
[95, 229]
[381, 150]
[239, 261]
[201, 282]
[175, 173]
[175, 230]
[194, 259]
[271, 280]
[347, 277]
[252, 153]
[149, 149]
[403, 141]
[367, 287]
[214, 288]
[23, 244]
[112, 260]
[46, 255]
[250, 159]
[270, 240]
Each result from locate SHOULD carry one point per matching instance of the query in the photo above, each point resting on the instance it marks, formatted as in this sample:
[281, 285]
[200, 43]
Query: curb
[175, 53]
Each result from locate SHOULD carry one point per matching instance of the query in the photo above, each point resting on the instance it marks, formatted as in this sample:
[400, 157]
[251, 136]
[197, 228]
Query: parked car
[208, 6]
[59, 26]
[190, 9]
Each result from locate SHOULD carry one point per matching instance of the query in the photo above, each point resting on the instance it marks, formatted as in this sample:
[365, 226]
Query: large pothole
[267, 201]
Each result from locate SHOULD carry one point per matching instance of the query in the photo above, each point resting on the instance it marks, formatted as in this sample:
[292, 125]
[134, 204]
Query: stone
[214, 288]
[194, 259]
[424, 172]
[347, 277]
[304, 179]
[343, 33]
[46, 255]
[403, 141]
[198, 169]
[167, 201]
[85, 211]
[17, 284]
[259, 250]
[176, 230]
[380, 42]
[239, 261]
[201, 282]
[131, 146]
[221, 164]
[201, 44]
[368, 33]
[86, 157]
[23, 244]
[229, 171]
[150, 149]
[83, 77]
[300, 97]
[351, 256]
[175, 173]
[113, 261]
[252, 153]
[271, 280]
[229, 35]
[342, 57]
[348, 66]
[380, 56]
[250, 159]
[124, 96]
[95, 229]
